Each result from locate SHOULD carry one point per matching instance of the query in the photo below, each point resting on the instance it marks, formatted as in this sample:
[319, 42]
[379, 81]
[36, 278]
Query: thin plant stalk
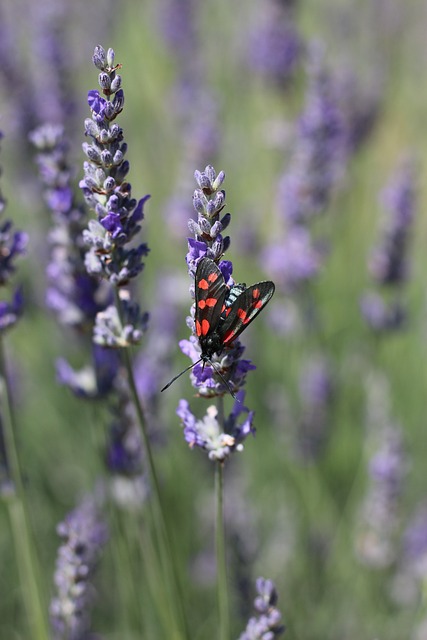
[167, 558]
[220, 546]
[21, 530]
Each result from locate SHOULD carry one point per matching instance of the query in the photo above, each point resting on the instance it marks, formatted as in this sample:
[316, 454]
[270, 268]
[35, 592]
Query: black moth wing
[245, 309]
[210, 294]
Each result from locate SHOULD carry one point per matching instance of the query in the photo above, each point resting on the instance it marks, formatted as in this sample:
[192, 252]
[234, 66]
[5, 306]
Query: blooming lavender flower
[74, 295]
[388, 264]
[12, 245]
[375, 543]
[106, 190]
[275, 46]
[381, 315]
[268, 624]
[305, 189]
[84, 534]
[209, 434]
[209, 242]
[49, 43]
[105, 187]
[178, 26]
[360, 106]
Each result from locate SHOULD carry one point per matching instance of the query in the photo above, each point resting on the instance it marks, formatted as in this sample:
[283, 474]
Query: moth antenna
[180, 374]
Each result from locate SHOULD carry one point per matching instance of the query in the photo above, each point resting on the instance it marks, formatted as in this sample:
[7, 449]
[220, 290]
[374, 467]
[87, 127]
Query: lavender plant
[224, 370]
[378, 526]
[383, 308]
[84, 534]
[112, 255]
[274, 45]
[306, 188]
[74, 295]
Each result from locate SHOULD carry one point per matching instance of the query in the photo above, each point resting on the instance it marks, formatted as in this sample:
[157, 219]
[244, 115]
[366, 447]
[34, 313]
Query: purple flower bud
[104, 82]
[99, 57]
[268, 625]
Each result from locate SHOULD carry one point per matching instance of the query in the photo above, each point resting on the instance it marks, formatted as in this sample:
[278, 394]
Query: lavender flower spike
[305, 190]
[105, 187]
[208, 241]
[267, 625]
[388, 263]
[12, 245]
[84, 536]
[375, 541]
[112, 254]
[73, 294]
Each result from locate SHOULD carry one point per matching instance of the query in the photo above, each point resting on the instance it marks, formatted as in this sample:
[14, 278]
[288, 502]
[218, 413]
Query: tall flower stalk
[383, 308]
[113, 257]
[12, 246]
[218, 434]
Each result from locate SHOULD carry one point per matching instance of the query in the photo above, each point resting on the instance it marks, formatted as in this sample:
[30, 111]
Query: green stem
[221, 560]
[29, 572]
[220, 546]
[166, 555]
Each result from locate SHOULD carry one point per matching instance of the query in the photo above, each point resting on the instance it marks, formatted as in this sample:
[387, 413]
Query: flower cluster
[305, 190]
[73, 294]
[108, 193]
[275, 46]
[84, 535]
[268, 624]
[209, 201]
[382, 309]
[13, 244]
[219, 440]
[375, 542]
[306, 187]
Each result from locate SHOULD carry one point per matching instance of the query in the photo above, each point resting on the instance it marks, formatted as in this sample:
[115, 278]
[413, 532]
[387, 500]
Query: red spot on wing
[255, 294]
[209, 302]
[258, 305]
[203, 284]
[241, 313]
[228, 336]
[198, 329]
[212, 277]
[205, 327]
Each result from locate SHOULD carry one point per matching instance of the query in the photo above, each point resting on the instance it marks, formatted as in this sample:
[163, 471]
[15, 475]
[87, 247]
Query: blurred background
[315, 110]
